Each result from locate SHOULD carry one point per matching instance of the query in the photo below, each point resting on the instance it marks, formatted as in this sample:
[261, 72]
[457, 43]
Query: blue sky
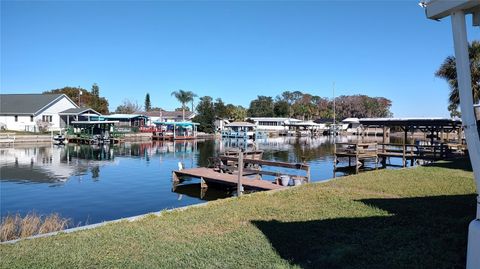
[233, 50]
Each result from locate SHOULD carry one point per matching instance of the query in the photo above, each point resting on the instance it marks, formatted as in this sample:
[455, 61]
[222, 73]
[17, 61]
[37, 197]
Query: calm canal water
[90, 184]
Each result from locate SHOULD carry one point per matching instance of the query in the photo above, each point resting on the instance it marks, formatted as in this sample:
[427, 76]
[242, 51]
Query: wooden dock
[211, 175]
[359, 152]
[86, 140]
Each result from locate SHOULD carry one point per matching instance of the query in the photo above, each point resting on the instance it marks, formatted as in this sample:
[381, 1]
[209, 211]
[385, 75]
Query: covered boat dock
[183, 130]
[437, 147]
[92, 132]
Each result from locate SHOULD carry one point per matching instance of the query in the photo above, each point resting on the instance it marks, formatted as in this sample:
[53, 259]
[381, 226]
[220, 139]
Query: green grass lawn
[408, 218]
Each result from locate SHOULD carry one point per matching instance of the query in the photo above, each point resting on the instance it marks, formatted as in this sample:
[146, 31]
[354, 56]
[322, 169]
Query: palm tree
[448, 72]
[184, 97]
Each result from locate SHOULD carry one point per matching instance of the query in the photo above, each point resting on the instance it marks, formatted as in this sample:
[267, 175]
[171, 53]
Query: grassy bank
[381, 219]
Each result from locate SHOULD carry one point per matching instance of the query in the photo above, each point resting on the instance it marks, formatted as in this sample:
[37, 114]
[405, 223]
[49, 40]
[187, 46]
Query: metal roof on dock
[417, 121]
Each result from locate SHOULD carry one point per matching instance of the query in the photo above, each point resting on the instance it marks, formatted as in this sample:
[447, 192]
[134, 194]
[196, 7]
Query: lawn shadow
[424, 232]
[459, 163]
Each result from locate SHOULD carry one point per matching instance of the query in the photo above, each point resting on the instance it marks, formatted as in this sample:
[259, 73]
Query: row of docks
[358, 153]
[437, 148]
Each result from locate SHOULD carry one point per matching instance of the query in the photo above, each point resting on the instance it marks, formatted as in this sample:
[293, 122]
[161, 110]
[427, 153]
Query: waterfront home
[168, 116]
[240, 129]
[272, 124]
[33, 112]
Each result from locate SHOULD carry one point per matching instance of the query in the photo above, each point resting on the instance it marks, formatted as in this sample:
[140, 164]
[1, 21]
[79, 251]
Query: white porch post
[470, 126]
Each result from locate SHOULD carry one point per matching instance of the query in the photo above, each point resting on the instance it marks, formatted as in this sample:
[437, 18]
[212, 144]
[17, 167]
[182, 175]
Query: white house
[272, 124]
[27, 112]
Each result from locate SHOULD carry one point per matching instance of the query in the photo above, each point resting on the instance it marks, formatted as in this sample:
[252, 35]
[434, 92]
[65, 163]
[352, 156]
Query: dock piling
[203, 184]
[240, 173]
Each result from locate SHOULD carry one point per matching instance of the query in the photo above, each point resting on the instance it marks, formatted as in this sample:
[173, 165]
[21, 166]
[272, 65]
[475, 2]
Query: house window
[16, 118]
[47, 118]
[31, 118]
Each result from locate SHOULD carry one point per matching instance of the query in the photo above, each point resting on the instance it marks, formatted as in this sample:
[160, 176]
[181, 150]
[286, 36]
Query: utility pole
[79, 94]
[334, 103]
[334, 121]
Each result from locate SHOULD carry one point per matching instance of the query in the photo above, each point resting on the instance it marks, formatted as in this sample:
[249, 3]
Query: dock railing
[253, 166]
[433, 152]
[359, 152]
[356, 149]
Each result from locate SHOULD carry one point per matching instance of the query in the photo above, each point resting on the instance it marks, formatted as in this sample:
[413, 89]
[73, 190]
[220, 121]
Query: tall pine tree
[148, 105]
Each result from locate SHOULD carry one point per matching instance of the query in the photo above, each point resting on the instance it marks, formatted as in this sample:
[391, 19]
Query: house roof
[30, 104]
[123, 116]
[278, 119]
[302, 123]
[350, 120]
[180, 123]
[240, 124]
[77, 111]
[171, 114]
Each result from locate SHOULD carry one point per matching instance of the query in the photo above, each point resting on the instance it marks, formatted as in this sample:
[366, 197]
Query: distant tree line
[294, 105]
[311, 107]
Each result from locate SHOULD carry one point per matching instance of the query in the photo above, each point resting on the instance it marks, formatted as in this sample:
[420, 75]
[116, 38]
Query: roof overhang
[96, 122]
[240, 124]
[17, 114]
[302, 124]
[179, 123]
[124, 116]
[95, 113]
[439, 9]
[391, 122]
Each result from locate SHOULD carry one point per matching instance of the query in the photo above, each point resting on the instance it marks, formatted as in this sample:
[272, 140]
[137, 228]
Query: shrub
[14, 226]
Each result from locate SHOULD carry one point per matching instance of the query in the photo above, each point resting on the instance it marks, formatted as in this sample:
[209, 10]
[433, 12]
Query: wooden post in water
[334, 157]
[175, 177]
[357, 160]
[308, 174]
[203, 184]
[174, 132]
[240, 173]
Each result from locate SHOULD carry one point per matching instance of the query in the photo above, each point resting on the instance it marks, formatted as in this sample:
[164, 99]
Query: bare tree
[129, 107]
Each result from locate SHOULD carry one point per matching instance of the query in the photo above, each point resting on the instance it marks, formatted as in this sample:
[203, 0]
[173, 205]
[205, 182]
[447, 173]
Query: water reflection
[108, 182]
[194, 190]
[56, 164]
